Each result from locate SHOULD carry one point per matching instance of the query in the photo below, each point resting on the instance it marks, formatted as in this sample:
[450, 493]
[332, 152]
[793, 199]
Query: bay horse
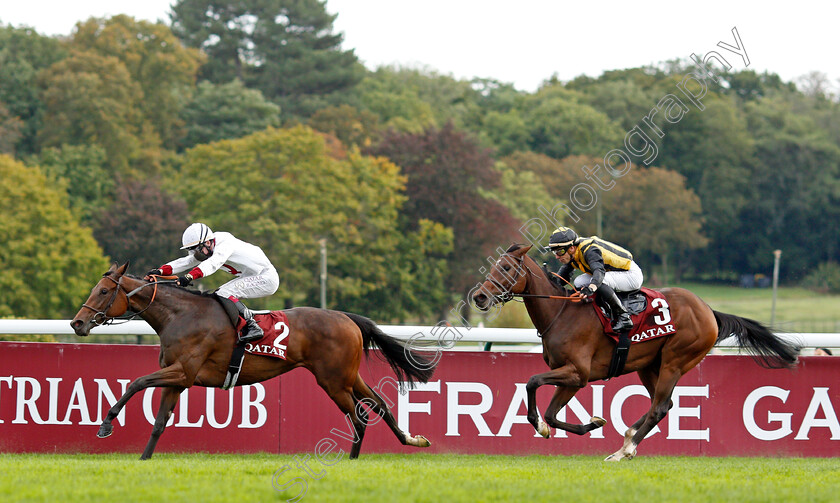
[197, 340]
[577, 351]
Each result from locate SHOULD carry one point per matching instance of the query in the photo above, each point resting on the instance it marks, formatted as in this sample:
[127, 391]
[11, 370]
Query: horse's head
[506, 278]
[107, 301]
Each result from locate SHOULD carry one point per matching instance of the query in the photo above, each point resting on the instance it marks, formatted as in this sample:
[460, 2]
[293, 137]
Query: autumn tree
[284, 192]
[48, 262]
[143, 224]
[156, 61]
[447, 170]
[92, 99]
[653, 214]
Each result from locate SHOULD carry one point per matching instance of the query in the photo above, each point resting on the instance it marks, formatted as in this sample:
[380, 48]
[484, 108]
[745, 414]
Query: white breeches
[620, 281]
[251, 287]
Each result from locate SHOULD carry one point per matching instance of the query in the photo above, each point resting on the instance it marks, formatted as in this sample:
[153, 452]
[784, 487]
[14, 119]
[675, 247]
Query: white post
[777, 254]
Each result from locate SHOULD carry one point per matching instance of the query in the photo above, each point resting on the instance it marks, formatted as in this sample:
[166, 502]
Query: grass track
[418, 477]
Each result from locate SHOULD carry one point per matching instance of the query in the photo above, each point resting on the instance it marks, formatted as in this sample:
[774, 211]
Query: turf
[418, 477]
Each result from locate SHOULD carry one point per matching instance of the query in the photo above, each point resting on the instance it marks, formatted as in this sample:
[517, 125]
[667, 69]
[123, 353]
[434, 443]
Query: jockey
[209, 252]
[607, 269]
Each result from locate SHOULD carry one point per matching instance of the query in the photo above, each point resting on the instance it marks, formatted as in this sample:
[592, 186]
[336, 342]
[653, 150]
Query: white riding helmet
[196, 234]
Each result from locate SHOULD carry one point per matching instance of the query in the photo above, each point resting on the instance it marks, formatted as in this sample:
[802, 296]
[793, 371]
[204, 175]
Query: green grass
[418, 477]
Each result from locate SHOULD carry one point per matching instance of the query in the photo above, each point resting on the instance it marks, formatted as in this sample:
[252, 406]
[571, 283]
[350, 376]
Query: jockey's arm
[565, 272]
[595, 261]
[178, 265]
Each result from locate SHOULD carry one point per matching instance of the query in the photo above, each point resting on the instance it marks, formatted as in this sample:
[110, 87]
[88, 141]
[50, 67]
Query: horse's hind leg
[659, 406]
[648, 377]
[372, 399]
[167, 405]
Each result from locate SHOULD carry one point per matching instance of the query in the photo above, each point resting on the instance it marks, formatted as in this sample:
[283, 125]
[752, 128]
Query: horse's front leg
[567, 376]
[167, 404]
[561, 397]
[172, 375]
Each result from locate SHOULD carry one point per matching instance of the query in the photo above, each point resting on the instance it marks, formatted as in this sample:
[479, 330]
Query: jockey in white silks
[207, 252]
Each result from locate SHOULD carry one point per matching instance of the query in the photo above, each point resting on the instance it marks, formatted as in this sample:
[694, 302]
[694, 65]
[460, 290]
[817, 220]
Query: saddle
[633, 301]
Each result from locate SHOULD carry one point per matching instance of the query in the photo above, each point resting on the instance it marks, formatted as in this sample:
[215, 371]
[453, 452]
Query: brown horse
[197, 339]
[577, 351]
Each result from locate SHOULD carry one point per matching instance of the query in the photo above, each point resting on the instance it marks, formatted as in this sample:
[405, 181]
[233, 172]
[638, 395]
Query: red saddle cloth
[655, 321]
[276, 328]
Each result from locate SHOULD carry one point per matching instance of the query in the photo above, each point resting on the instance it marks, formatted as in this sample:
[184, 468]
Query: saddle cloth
[650, 321]
[275, 325]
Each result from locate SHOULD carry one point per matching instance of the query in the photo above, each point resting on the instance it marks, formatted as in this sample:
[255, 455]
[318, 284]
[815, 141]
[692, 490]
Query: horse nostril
[76, 324]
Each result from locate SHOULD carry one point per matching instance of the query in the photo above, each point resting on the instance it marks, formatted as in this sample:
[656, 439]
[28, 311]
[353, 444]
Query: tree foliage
[284, 48]
[447, 170]
[156, 61]
[226, 111]
[143, 225]
[289, 193]
[23, 53]
[48, 262]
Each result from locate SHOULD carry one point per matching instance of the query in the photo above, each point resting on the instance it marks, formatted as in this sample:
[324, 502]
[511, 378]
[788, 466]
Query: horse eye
[506, 267]
[104, 291]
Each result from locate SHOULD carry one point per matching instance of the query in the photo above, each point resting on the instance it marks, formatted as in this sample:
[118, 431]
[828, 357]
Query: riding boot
[620, 316]
[251, 331]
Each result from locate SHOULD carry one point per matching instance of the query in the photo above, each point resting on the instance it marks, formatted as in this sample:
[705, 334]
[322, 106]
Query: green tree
[23, 53]
[284, 48]
[92, 99]
[157, 62]
[82, 171]
[48, 262]
[653, 213]
[561, 125]
[291, 193]
[226, 111]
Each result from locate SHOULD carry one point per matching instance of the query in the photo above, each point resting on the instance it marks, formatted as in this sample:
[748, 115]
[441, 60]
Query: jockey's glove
[154, 272]
[589, 290]
[184, 280]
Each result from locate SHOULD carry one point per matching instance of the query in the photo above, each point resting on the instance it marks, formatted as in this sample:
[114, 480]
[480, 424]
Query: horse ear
[522, 250]
[123, 268]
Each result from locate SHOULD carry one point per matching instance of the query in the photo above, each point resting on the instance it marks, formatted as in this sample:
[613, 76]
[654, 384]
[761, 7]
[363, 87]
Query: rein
[575, 297]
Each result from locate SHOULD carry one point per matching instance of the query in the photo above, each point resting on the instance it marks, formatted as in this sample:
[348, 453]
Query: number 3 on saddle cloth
[651, 317]
[275, 326]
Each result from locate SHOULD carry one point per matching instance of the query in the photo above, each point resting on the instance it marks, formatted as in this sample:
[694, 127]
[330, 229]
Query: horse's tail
[408, 365]
[767, 349]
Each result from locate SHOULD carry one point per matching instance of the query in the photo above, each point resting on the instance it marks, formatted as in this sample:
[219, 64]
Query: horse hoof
[421, 441]
[543, 429]
[105, 430]
[612, 458]
[598, 421]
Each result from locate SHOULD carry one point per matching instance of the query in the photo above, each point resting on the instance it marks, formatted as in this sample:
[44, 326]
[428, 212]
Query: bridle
[103, 318]
[509, 295]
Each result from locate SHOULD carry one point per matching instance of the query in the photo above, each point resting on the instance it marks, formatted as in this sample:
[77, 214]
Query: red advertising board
[475, 403]
[53, 397]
